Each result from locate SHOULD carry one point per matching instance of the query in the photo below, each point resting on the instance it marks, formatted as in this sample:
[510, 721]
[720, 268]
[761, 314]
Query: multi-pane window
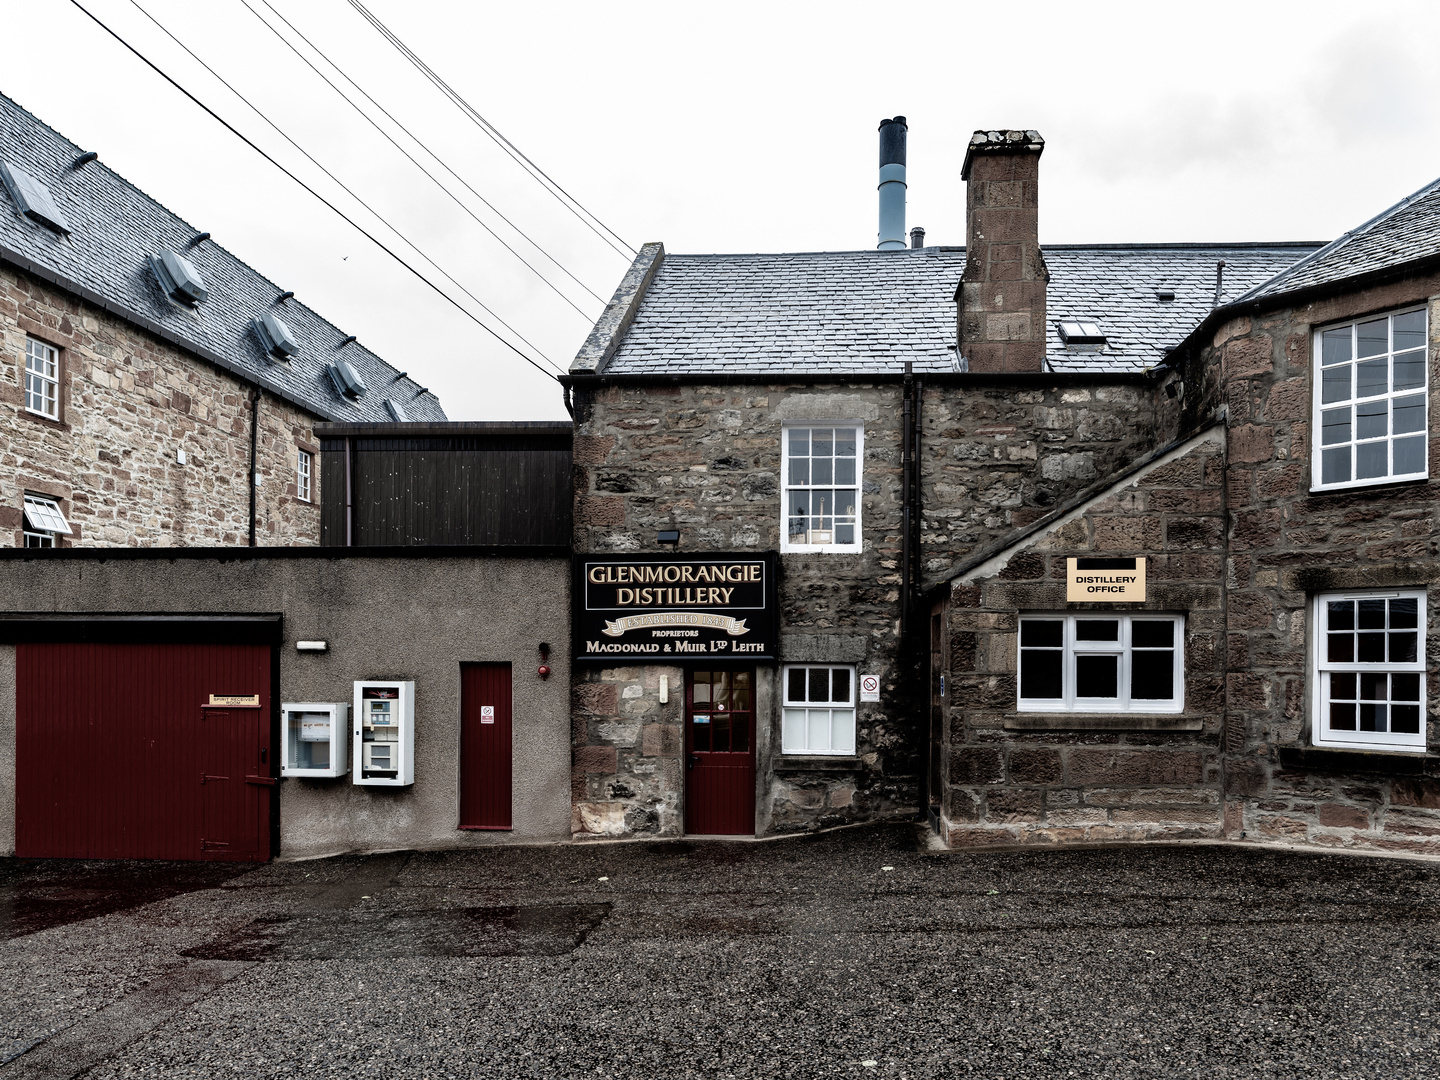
[44, 522]
[1370, 670]
[819, 710]
[1370, 401]
[42, 379]
[1093, 663]
[302, 477]
[722, 711]
[822, 488]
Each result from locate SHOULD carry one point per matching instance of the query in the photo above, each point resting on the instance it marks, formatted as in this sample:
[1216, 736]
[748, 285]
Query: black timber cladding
[502, 485]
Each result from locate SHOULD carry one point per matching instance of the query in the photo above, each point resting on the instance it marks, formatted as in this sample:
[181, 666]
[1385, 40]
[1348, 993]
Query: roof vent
[1080, 332]
[276, 337]
[180, 279]
[1164, 295]
[346, 379]
[32, 197]
[396, 411]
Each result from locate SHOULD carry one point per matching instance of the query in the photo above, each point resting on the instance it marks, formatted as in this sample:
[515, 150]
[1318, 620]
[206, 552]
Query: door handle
[694, 760]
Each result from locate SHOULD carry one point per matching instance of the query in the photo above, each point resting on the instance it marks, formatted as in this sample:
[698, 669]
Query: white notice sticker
[869, 688]
[487, 714]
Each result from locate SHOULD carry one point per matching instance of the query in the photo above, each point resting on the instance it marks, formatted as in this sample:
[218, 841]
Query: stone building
[146, 374]
[870, 422]
[1276, 680]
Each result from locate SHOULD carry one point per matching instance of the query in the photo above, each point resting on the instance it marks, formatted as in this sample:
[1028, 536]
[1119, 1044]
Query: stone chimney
[1001, 296]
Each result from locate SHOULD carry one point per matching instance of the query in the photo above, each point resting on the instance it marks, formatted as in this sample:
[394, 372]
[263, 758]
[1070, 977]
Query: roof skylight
[1080, 332]
[276, 337]
[180, 279]
[397, 411]
[32, 197]
[346, 379]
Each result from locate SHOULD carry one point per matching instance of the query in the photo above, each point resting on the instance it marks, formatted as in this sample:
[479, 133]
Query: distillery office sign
[672, 609]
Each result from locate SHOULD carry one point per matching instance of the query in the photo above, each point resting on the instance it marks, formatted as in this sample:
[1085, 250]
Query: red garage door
[120, 755]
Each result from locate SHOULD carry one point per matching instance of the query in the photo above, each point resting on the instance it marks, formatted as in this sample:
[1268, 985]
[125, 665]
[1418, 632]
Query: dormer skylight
[1080, 332]
[276, 337]
[346, 379]
[32, 197]
[179, 278]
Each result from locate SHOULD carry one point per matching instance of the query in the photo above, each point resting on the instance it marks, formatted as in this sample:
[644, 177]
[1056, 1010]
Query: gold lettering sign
[1107, 581]
[234, 701]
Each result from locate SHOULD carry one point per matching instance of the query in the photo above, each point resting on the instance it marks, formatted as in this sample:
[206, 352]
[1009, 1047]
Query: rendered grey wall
[384, 618]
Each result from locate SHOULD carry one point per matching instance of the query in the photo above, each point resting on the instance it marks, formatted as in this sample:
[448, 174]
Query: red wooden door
[112, 743]
[484, 746]
[720, 752]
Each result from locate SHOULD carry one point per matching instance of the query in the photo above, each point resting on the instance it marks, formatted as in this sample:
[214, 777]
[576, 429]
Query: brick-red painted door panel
[485, 767]
[116, 757]
[720, 753]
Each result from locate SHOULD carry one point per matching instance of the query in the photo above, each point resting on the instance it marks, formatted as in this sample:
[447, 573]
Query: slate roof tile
[859, 312]
[116, 228]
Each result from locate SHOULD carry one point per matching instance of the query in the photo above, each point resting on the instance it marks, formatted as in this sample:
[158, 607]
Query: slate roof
[1408, 231]
[116, 228]
[858, 312]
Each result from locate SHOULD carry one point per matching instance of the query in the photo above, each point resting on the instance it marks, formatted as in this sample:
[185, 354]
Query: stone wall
[1010, 777]
[129, 402]
[1286, 544]
[705, 459]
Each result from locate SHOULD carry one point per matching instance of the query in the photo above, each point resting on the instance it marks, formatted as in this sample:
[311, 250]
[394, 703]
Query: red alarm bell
[544, 669]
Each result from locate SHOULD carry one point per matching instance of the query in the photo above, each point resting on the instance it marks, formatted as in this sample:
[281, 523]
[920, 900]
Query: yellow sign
[1109, 581]
[234, 701]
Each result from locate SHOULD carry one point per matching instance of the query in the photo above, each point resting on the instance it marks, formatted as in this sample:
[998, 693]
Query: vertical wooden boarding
[485, 766]
[720, 752]
[112, 744]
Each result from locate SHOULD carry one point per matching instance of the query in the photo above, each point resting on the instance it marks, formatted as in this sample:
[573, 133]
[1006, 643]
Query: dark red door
[117, 756]
[720, 752]
[484, 746]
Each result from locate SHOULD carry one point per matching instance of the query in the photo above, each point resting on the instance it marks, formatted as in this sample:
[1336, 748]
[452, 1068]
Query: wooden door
[485, 767]
[720, 752]
[112, 743]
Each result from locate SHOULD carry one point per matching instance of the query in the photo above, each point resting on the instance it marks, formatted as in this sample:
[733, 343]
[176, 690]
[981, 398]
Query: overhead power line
[560, 194]
[418, 142]
[330, 205]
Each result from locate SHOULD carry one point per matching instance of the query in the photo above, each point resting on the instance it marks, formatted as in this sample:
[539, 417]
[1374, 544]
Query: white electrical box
[314, 738]
[383, 727]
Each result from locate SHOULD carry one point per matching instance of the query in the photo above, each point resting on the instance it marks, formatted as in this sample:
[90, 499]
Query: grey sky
[735, 127]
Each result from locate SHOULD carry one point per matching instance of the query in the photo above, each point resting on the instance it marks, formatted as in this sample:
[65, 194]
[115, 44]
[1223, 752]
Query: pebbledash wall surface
[384, 614]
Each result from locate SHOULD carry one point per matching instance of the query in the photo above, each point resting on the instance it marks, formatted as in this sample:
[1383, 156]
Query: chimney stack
[1001, 296]
[892, 184]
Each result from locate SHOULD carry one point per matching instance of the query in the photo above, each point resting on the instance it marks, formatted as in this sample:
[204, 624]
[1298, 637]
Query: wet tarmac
[854, 953]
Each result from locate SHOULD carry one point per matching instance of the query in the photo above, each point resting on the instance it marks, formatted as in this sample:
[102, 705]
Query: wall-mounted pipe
[892, 184]
[254, 449]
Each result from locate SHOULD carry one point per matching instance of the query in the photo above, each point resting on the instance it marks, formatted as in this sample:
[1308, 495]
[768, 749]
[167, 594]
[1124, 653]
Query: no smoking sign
[869, 688]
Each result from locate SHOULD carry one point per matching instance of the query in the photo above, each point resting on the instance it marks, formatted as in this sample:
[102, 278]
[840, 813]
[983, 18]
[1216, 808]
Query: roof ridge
[1339, 242]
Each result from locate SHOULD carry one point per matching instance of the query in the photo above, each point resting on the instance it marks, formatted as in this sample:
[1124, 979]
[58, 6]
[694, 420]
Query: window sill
[41, 418]
[1371, 485]
[822, 549]
[817, 763]
[1101, 722]
[1338, 762]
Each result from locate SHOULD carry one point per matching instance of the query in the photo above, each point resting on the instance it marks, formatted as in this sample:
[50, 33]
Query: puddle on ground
[37, 894]
[359, 934]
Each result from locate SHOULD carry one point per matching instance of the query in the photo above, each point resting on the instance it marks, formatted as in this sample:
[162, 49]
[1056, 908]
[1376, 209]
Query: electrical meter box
[384, 732]
[314, 738]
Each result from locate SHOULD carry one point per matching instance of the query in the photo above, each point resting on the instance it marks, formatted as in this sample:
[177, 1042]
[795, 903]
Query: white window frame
[1071, 648]
[790, 740]
[304, 470]
[1319, 407]
[44, 521]
[786, 544]
[42, 380]
[1321, 670]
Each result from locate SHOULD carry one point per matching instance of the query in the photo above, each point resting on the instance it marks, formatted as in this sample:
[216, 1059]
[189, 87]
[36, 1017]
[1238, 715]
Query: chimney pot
[917, 237]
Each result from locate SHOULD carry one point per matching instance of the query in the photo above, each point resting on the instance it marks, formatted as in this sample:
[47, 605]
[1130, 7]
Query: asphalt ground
[856, 953]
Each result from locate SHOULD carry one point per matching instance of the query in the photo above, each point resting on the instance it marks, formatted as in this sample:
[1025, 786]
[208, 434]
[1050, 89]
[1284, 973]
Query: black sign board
[673, 609]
